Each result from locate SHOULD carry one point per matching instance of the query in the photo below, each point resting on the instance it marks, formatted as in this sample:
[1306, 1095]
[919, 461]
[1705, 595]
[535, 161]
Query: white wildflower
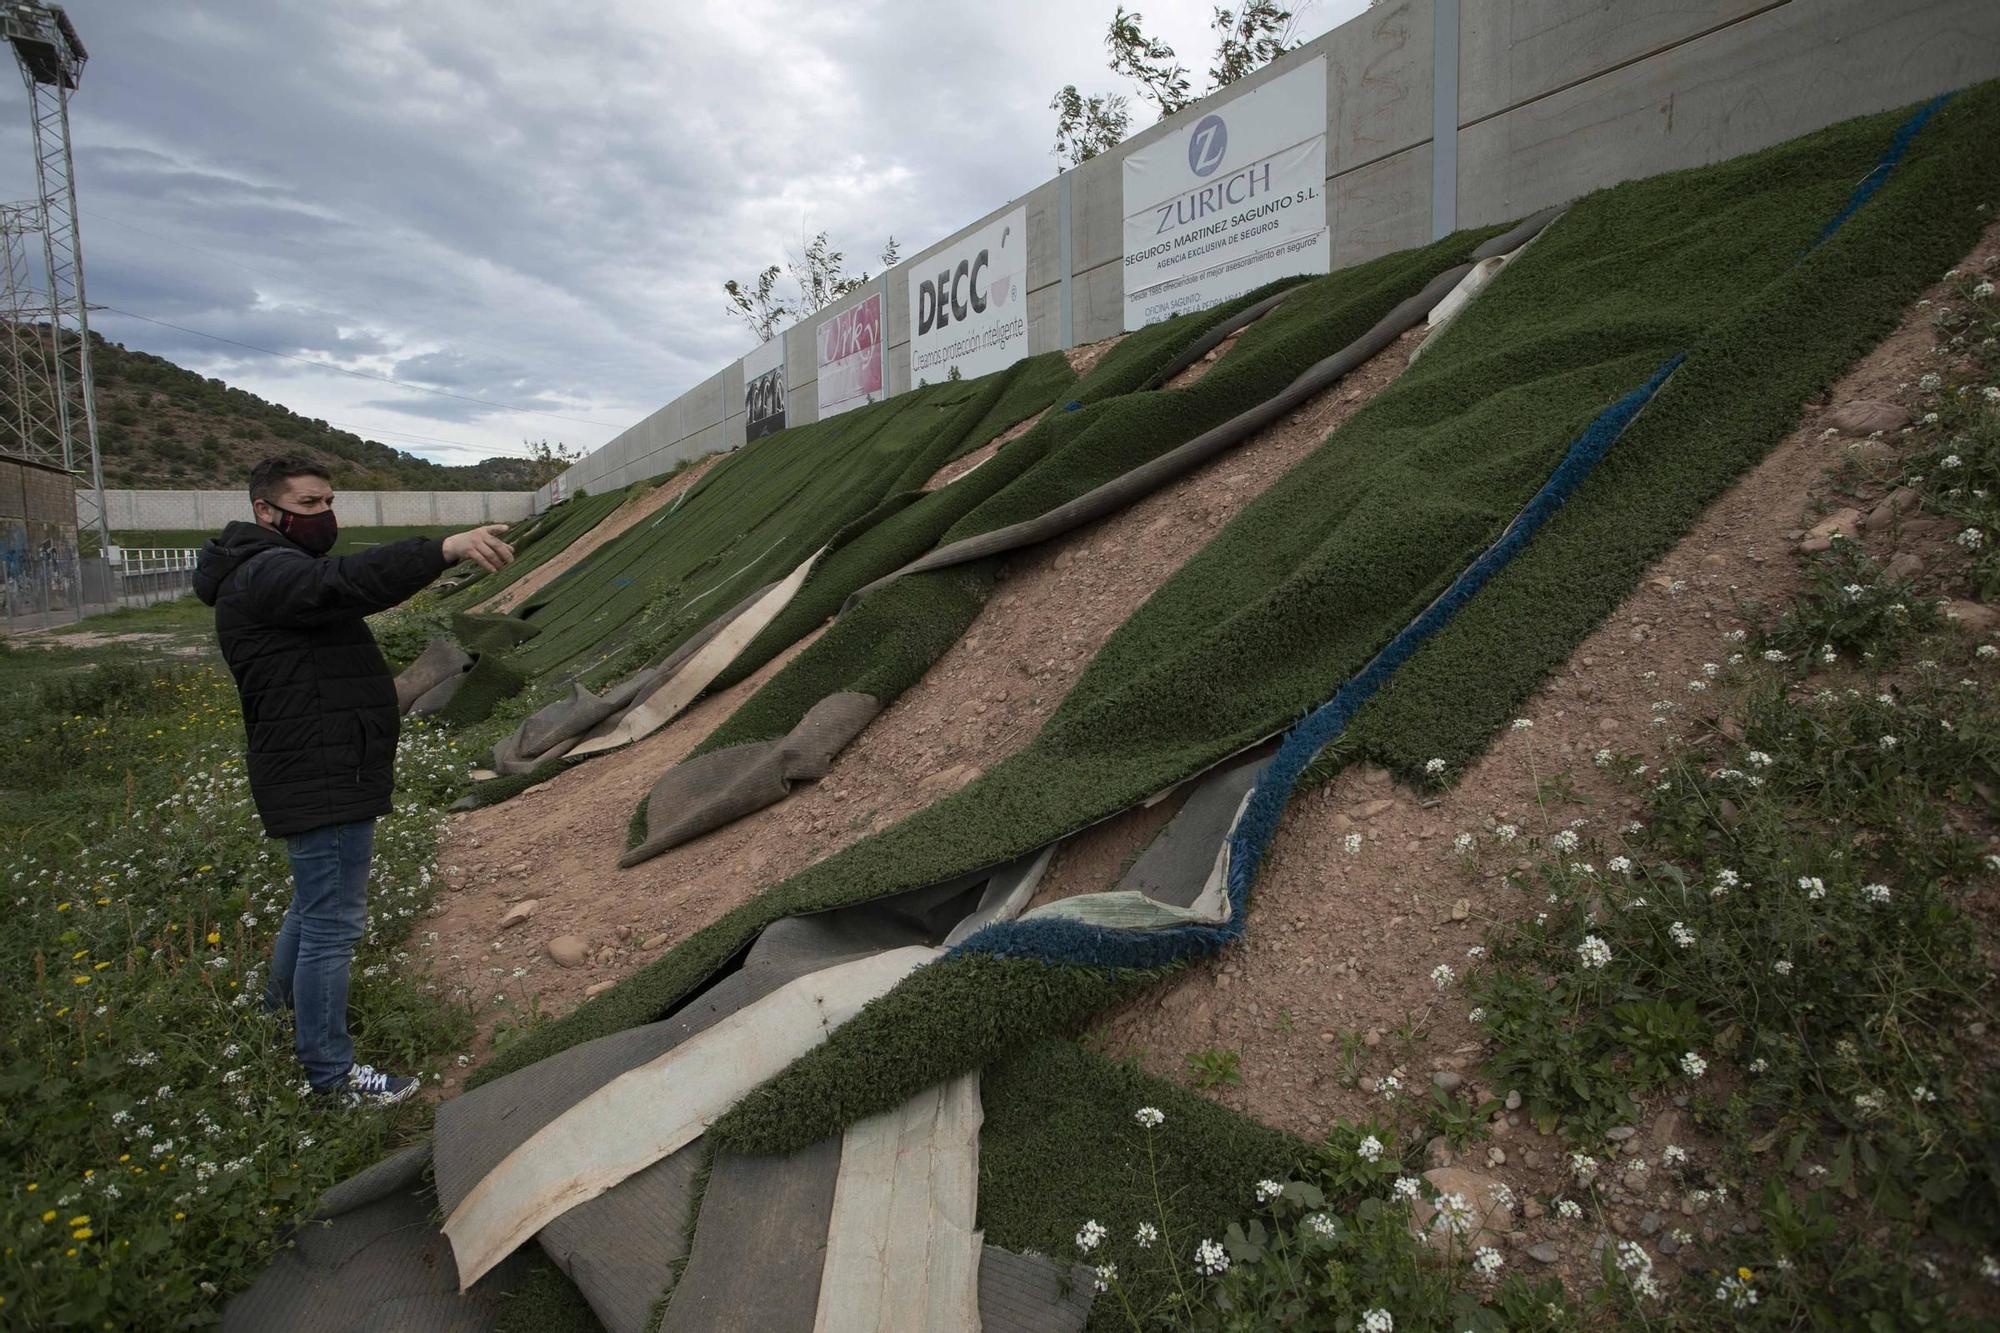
[1090, 1236]
[1693, 1065]
[1150, 1117]
[1593, 952]
[1209, 1259]
[1369, 1149]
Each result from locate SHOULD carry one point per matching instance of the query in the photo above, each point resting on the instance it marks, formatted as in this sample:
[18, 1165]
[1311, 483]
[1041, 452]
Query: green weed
[1215, 1068]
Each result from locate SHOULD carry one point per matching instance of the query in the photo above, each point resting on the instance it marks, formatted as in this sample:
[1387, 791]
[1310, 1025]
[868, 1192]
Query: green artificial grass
[545, 1301]
[760, 512]
[479, 633]
[538, 541]
[1060, 1147]
[885, 644]
[492, 678]
[1310, 580]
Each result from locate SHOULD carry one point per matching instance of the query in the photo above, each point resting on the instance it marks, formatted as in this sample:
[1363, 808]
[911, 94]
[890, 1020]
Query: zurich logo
[1207, 145]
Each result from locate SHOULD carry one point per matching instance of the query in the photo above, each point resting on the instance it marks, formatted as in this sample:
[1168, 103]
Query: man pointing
[320, 718]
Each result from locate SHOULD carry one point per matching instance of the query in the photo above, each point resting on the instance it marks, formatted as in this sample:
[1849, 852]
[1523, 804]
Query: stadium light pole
[51, 57]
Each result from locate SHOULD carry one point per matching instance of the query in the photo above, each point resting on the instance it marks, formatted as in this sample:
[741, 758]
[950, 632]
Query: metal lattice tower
[33, 425]
[51, 58]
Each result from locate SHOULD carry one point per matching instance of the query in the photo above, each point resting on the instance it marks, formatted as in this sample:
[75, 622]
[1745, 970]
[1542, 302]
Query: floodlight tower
[51, 58]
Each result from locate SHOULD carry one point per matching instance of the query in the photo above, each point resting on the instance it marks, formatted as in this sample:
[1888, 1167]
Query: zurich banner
[1230, 202]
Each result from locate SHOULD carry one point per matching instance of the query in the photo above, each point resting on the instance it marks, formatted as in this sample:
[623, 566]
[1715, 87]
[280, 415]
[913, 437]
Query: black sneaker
[365, 1085]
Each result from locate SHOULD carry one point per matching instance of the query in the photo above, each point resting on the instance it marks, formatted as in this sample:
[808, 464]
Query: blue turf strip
[1061, 940]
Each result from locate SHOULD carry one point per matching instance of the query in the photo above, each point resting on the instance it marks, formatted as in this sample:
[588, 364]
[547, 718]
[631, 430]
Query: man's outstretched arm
[287, 589]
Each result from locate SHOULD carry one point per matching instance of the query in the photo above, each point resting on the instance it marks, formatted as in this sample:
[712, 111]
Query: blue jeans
[309, 961]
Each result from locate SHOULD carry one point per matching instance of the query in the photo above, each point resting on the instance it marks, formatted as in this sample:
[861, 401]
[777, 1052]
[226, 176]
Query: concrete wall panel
[1516, 50]
[1097, 302]
[1378, 84]
[1769, 78]
[1381, 208]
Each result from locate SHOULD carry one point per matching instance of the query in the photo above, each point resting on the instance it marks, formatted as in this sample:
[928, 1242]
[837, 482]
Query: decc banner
[1229, 203]
[850, 358]
[969, 303]
[764, 390]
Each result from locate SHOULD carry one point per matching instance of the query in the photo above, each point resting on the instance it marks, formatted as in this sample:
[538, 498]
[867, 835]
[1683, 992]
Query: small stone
[519, 912]
[1865, 416]
[1438, 1152]
[569, 950]
[1669, 1245]
[1903, 565]
[1892, 506]
[1974, 616]
[1496, 1156]
[1513, 1099]
[1620, 1133]
[1368, 810]
[1372, 1038]
[518, 868]
[1447, 1080]
[1461, 909]
[1544, 1252]
[658, 941]
[1649, 1223]
[1532, 1209]
[623, 932]
[1820, 536]
[597, 988]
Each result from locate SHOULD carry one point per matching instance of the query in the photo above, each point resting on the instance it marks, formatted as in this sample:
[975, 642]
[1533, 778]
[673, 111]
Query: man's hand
[482, 545]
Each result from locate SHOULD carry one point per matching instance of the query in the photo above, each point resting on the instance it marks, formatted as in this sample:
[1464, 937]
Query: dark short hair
[268, 478]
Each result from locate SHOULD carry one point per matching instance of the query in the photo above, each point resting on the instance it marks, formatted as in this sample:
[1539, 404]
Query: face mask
[315, 532]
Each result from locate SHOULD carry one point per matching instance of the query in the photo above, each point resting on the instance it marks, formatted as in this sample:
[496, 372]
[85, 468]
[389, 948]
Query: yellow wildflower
[49, 1216]
[81, 1233]
[80, 1220]
[215, 937]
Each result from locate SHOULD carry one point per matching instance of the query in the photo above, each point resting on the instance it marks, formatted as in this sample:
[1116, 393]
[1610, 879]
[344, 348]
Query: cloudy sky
[533, 206]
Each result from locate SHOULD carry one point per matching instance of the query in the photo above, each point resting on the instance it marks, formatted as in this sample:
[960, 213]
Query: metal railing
[143, 575]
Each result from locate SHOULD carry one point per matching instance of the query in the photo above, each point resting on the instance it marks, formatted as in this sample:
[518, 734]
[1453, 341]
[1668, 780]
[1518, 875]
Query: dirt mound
[616, 522]
[983, 700]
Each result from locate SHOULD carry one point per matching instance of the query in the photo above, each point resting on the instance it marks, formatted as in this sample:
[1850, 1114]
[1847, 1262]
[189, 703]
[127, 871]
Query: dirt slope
[985, 699]
[1331, 989]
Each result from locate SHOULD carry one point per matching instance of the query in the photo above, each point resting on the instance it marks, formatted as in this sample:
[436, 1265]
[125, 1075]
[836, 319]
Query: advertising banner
[969, 303]
[1229, 203]
[850, 358]
[764, 390]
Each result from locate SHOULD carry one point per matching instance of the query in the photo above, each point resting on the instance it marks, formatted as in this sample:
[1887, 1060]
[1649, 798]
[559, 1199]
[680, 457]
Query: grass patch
[155, 1143]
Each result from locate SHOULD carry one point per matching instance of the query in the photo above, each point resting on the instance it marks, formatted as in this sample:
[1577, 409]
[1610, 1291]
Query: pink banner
[850, 358]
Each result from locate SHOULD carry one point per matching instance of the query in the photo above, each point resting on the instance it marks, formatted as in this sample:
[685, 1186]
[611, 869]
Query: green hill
[161, 426]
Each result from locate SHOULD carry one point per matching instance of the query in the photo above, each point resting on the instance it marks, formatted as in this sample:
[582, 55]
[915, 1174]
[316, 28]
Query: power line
[343, 370]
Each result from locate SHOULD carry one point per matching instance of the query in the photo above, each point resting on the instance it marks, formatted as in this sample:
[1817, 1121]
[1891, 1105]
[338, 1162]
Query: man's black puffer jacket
[319, 704]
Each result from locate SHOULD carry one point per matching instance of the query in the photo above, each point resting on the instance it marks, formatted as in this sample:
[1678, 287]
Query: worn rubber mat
[721, 787]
